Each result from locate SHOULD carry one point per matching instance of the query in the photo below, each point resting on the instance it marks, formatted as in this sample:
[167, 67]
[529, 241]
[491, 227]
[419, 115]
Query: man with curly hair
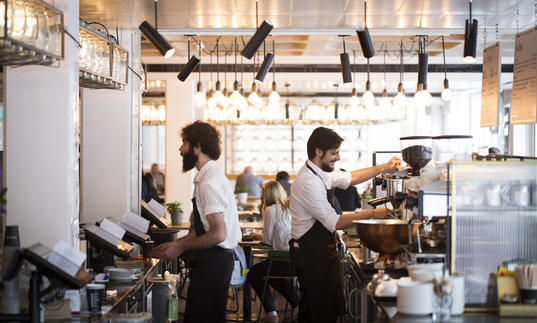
[216, 225]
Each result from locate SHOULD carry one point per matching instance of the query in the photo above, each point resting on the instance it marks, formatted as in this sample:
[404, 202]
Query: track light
[363, 36]
[470, 38]
[190, 66]
[257, 39]
[267, 62]
[157, 40]
[345, 64]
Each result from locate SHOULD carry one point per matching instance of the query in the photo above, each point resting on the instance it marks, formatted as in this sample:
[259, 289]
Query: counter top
[387, 310]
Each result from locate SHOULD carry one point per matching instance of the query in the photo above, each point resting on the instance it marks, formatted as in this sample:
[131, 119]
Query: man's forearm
[362, 175]
[345, 220]
[206, 240]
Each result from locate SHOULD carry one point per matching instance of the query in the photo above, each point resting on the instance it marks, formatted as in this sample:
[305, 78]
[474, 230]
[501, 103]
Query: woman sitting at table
[276, 233]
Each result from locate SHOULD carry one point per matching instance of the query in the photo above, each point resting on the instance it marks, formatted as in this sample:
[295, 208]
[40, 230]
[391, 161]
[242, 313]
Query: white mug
[457, 307]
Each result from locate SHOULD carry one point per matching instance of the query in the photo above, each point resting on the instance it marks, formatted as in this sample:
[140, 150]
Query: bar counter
[374, 310]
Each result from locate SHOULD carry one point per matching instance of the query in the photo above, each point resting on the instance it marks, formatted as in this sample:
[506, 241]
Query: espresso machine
[413, 203]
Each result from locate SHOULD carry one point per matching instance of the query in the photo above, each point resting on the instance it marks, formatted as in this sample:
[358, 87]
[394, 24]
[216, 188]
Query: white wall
[41, 163]
[106, 163]
[179, 113]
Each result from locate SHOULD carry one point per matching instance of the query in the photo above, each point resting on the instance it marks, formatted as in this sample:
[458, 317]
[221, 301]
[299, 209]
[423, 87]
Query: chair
[274, 255]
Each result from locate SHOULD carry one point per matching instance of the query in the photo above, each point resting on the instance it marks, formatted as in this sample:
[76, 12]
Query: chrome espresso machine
[414, 193]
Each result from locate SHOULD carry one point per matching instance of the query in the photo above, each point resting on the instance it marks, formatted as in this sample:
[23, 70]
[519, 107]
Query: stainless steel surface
[394, 186]
[384, 236]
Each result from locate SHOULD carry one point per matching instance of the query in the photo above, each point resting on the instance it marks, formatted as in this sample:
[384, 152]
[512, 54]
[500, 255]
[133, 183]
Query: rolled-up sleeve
[312, 197]
[211, 200]
[340, 179]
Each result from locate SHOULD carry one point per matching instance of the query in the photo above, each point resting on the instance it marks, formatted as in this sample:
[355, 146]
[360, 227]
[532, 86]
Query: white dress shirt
[277, 227]
[308, 198]
[213, 194]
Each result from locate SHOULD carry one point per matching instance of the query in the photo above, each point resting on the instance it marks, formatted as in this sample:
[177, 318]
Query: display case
[493, 219]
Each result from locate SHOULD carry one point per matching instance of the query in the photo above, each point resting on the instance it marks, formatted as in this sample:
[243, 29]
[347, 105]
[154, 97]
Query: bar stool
[275, 255]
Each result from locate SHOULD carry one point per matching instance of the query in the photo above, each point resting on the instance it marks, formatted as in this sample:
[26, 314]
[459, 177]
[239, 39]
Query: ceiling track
[329, 68]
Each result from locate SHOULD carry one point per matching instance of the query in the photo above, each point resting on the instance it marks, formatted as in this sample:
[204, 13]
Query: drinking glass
[42, 28]
[30, 24]
[15, 23]
[442, 307]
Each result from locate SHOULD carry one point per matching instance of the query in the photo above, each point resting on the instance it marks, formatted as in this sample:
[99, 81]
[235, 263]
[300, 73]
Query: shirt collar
[322, 174]
[204, 170]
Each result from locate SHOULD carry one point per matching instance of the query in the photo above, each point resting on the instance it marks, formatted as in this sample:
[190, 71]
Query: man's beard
[326, 167]
[189, 160]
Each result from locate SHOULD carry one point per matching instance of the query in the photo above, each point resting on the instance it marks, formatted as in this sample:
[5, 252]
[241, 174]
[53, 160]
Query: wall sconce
[470, 37]
[102, 63]
[31, 32]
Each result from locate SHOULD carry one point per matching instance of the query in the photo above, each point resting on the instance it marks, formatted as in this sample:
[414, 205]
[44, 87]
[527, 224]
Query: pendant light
[224, 101]
[259, 37]
[253, 97]
[363, 36]
[368, 98]
[199, 97]
[446, 92]
[345, 64]
[218, 95]
[190, 65]
[354, 94]
[274, 97]
[235, 97]
[422, 96]
[400, 99]
[385, 102]
[470, 37]
[211, 101]
[152, 34]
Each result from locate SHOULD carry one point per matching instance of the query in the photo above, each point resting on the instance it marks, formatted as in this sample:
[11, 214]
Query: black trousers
[283, 286]
[320, 288]
[209, 282]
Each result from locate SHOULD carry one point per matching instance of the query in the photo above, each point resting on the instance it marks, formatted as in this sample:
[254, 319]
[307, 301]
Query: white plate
[123, 279]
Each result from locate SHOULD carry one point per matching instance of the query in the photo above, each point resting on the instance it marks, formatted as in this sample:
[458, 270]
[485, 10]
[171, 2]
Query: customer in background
[248, 180]
[283, 178]
[158, 178]
[276, 233]
[149, 190]
[349, 199]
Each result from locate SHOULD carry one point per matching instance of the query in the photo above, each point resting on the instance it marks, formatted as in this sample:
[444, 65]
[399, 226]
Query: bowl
[385, 236]
[425, 272]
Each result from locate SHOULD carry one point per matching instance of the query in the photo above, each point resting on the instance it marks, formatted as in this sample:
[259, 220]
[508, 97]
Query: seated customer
[248, 180]
[349, 199]
[283, 178]
[276, 233]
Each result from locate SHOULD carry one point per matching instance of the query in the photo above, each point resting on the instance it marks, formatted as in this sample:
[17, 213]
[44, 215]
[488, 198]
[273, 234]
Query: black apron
[320, 272]
[209, 280]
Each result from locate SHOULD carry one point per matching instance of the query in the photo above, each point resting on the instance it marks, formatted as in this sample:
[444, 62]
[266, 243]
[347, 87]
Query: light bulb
[274, 97]
[428, 98]
[399, 100]
[446, 94]
[368, 98]
[469, 59]
[236, 98]
[199, 100]
[354, 98]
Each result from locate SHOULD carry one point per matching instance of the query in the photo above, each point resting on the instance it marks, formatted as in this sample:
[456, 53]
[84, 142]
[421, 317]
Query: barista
[314, 224]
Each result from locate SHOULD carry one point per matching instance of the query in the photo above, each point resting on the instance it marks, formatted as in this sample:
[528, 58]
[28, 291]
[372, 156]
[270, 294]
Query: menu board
[524, 97]
[490, 89]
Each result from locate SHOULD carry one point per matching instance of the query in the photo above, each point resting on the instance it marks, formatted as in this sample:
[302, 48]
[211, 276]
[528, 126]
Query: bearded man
[216, 225]
[313, 247]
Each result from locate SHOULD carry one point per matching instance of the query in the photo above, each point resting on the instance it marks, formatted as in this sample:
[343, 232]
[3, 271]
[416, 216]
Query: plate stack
[121, 274]
[414, 297]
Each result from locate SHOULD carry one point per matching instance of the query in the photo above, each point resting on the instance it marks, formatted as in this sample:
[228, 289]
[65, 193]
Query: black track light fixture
[190, 66]
[259, 37]
[265, 66]
[423, 61]
[470, 37]
[363, 36]
[152, 34]
[345, 63]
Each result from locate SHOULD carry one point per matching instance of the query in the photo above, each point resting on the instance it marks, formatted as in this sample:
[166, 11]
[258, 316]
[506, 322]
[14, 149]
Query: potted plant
[242, 194]
[176, 213]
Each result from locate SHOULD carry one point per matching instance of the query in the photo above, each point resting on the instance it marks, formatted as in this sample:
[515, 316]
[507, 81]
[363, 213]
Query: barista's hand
[382, 213]
[395, 162]
[168, 251]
